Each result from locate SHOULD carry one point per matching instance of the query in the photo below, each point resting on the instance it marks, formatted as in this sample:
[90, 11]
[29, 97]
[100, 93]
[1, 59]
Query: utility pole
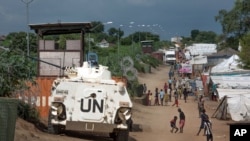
[27, 2]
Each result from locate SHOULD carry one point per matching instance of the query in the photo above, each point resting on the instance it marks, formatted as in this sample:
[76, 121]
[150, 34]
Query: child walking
[176, 99]
[149, 97]
[173, 125]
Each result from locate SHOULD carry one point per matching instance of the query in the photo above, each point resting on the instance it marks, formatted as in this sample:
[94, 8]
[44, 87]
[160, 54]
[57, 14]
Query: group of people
[181, 122]
[178, 89]
[205, 123]
[164, 95]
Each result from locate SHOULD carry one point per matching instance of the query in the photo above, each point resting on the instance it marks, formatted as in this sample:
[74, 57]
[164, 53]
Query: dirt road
[154, 120]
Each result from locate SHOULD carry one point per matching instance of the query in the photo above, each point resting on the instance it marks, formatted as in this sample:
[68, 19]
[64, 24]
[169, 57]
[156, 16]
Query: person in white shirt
[208, 130]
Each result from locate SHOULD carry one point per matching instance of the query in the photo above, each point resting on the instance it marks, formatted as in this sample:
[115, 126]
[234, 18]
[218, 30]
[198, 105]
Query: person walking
[170, 83]
[204, 118]
[181, 119]
[173, 125]
[185, 94]
[144, 88]
[149, 95]
[196, 94]
[200, 104]
[156, 97]
[179, 92]
[176, 99]
[165, 87]
[208, 130]
[162, 93]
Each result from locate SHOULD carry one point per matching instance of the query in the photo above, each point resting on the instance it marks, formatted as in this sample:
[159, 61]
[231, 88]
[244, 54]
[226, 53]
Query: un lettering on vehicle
[93, 105]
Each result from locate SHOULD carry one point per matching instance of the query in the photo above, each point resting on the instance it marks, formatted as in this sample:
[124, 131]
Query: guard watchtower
[147, 46]
[50, 54]
[72, 54]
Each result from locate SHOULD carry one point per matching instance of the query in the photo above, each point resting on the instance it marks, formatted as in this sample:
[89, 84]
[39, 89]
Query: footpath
[155, 120]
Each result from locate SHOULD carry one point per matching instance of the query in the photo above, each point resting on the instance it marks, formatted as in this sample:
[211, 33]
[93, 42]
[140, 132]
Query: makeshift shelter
[198, 60]
[229, 65]
[202, 49]
[220, 56]
[234, 103]
[231, 81]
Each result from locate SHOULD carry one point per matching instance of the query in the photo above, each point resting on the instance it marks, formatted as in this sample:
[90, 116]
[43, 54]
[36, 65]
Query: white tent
[238, 102]
[202, 49]
[198, 60]
[232, 92]
[231, 81]
[229, 65]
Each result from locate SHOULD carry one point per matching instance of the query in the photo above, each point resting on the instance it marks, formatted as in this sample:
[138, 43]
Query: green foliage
[126, 41]
[15, 70]
[147, 59]
[141, 36]
[115, 32]
[139, 66]
[229, 42]
[27, 112]
[236, 21]
[245, 51]
[62, 39]
[200, 37]
[132, 87]
[206, 37]
[17, 40]
[98, 27]
[194, 33]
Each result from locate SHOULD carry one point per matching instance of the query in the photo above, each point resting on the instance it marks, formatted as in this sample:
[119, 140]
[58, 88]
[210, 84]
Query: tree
[237, 20]
[245, 51]
[236, 25]
[17, 40]
[15, 69]
[98, 27]
[206, 37]
[194, 33]
[115, 32]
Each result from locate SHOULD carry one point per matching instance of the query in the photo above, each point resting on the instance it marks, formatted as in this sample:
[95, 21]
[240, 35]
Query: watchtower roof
[61, 28]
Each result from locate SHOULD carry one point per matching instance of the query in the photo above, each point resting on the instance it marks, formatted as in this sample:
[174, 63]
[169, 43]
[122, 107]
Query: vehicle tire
[52, 129]
[130, 124]
[121, 135]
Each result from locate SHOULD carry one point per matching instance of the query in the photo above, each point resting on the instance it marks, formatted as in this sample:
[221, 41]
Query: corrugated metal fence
[38, 94]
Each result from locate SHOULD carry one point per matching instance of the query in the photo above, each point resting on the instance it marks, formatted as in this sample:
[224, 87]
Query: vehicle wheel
[130, 124]
[53, 129]
[121, 135]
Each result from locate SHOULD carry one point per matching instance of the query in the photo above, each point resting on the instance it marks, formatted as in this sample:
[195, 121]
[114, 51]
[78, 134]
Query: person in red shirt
[176, 102]
[173, 125]
[166, 87]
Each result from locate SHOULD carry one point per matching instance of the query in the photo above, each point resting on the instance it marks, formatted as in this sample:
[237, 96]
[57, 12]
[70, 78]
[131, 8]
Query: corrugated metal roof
[228, 52]
[61, 28]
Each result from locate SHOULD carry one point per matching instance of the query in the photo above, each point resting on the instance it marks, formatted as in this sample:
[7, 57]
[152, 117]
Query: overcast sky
[167, 18]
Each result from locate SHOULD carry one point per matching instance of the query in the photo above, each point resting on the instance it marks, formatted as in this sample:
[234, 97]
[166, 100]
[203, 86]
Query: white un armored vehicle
[89, 100]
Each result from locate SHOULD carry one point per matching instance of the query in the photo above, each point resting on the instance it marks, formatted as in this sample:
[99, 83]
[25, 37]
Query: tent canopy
[229, 65]
[238, 102]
